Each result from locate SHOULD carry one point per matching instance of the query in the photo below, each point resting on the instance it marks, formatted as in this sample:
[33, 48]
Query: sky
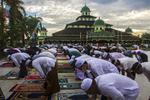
[120, 13]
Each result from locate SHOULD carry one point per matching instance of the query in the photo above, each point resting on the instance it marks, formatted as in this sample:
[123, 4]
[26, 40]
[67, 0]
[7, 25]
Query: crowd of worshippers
[107, 70]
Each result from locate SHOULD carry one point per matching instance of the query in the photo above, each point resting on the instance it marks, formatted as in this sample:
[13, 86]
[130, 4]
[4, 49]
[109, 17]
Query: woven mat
[29, 96]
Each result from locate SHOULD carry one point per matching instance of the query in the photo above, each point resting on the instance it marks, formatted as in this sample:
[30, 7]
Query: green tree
[146, 36]
[33, 24]
[16, 22]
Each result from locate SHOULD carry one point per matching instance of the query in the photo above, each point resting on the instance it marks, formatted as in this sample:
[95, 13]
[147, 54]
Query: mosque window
[82, 26]
[75, 26]
[69, 26]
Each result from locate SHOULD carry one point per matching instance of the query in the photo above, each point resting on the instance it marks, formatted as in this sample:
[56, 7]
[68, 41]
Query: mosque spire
[85, 2]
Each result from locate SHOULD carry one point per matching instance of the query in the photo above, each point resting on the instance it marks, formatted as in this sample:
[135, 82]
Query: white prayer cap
[79, 63]
[86, 84]
[5, 50]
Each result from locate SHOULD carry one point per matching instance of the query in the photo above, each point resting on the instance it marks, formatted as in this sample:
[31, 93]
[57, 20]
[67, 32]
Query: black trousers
[23, 70]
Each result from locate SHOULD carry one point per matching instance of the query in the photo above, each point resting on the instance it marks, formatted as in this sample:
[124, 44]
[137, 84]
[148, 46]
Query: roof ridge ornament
[85, 2]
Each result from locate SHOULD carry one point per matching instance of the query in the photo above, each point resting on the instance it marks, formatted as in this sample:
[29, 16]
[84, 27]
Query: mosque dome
[85, 9]
[128, 30]
[99, 22]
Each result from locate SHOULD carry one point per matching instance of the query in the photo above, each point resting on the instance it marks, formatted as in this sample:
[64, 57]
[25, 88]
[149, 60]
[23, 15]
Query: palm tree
[16, 21]
[2, 28]
[31, 25]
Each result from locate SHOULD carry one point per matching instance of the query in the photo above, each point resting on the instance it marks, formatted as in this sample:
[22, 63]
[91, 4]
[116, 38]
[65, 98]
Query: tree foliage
[16, 22]
[146, 36]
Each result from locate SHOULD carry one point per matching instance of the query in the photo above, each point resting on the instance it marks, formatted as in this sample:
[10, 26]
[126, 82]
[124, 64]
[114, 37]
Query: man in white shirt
[46, 67]
[140, 55]
[19, 59]
[95, 67]
[130, 66]
[115, 86]
[44, 54]
[146, 69]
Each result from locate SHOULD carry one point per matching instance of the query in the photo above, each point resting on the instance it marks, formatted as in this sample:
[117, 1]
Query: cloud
[121, 13]
[105, 1]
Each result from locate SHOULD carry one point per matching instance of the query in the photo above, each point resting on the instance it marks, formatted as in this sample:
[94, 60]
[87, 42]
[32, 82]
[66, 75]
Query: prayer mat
[62, 58]
[70, 86]
[72, 96]
[65, 70]
[10, 75]
[29, 96]
[66, 84]
[2, 97]
[62, 61]
[28, 88]
[33, 77]
[6, 64]
[33, 82]
[65, 66]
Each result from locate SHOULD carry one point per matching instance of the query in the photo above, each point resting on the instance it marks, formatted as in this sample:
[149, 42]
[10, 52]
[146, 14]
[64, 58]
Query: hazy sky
[121, 13]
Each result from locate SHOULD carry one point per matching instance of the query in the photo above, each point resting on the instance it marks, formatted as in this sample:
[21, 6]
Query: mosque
[88, 28]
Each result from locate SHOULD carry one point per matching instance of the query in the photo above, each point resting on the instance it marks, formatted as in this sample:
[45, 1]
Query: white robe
[17, 58]
[45, 63]
[116, 55]
[127, 62]
[46, 53]
[100, 67]
[146, 69]
[117, 86]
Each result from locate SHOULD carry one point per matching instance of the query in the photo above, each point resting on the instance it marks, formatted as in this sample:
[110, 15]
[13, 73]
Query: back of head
[79, 63]
[86, 84]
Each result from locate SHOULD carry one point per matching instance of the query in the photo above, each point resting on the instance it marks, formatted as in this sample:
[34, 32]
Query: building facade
[87, 29]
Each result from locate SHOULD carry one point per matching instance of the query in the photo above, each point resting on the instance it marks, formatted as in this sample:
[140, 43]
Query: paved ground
[141, 79]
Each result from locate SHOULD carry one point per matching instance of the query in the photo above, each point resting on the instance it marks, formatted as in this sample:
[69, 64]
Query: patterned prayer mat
[33, 77]
[2, 97]
[28, 88]
[65, 70]
[72, 96]
[6, 64]
[66, 84]
[65, 66]
[29, 96]
[62, 61]
[62, 58]
[70, 86]
[10, 75]
[36, 86]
